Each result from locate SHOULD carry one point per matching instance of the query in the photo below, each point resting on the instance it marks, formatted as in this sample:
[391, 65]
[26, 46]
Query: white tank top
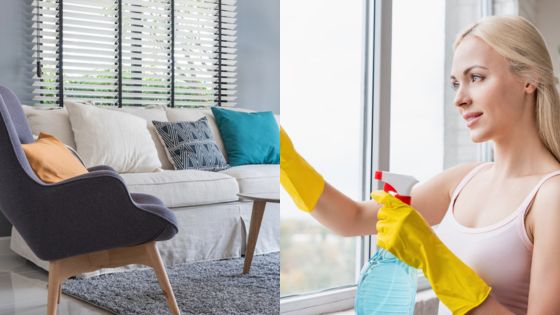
[499, 253]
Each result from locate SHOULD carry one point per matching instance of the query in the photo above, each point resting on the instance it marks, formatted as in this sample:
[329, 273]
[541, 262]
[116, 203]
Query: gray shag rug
[212, 287]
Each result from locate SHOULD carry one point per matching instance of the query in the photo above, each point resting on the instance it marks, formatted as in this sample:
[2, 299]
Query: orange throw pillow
[51, 161]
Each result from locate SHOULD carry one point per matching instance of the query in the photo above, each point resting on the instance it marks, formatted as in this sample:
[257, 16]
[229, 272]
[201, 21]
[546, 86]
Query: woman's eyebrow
[469, 69]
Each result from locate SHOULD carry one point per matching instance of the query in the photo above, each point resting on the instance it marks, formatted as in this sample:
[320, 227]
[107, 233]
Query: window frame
[376, 103]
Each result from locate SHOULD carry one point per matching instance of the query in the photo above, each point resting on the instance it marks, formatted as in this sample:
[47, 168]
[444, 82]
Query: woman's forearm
[311, 193]
[491, 307]
[344, 216]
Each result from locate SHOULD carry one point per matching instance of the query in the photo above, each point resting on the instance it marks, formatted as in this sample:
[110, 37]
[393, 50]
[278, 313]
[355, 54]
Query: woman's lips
[472, 119]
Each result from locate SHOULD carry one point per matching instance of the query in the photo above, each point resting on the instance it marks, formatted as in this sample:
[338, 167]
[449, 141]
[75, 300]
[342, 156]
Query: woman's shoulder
[547, 194]
[545, 208]
[432, 197]
[447, 180]
[550, 187]
[453, 175]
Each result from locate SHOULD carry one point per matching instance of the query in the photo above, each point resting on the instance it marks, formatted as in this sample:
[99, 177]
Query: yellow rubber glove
[404, 232]
[298, 178]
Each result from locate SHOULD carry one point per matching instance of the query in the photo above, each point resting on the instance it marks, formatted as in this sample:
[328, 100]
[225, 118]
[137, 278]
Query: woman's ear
[530, 88]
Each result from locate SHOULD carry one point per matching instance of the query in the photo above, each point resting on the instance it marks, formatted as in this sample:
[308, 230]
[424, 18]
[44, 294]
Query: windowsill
[341, 302]
[319, 303]
[426, 303]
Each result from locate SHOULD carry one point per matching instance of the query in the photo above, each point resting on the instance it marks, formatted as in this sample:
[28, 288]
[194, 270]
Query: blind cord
[39, 70]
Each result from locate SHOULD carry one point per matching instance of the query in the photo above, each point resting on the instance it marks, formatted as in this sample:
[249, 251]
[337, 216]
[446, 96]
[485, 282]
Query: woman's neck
[522, 153]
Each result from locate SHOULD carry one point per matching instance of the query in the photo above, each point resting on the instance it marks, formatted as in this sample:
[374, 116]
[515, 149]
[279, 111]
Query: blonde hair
[523, 46]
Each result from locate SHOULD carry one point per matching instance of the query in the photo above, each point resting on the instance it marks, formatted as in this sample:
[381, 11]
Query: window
[414, 86]
[124, 52]
[417, 88]
[321, 79]
[458, 147]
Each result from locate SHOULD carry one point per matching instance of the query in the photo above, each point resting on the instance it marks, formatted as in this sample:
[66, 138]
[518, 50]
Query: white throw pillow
[52, 120]
[113, 138]
[150, 113]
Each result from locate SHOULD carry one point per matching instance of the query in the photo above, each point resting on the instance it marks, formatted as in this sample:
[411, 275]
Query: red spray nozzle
[401, 185]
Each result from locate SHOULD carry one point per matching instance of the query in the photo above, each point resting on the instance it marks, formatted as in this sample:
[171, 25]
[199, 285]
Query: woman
[500, 219]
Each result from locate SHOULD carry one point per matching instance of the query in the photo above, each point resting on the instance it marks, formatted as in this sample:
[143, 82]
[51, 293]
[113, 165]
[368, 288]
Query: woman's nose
[462, 97]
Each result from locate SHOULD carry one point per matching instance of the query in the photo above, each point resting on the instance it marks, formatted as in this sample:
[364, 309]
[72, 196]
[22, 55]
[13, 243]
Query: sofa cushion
[149, 113]
[184, 187]
[55, 121]
[51, 120]
[249, 138]
[51, 161]
[194, 114]
[191, 145]
[117, 139]
[256, 178]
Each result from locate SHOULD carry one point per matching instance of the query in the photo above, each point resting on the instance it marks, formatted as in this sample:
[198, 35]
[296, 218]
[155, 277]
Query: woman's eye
[476, 77]
[454, 85]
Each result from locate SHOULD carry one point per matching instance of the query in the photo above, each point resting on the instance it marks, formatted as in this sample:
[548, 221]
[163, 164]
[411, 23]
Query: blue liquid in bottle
[386, 286]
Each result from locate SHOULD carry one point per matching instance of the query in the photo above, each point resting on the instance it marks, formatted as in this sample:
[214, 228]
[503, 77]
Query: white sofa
[213, 221]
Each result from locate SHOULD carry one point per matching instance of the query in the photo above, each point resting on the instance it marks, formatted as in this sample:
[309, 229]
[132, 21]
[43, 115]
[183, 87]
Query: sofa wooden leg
[161, 274]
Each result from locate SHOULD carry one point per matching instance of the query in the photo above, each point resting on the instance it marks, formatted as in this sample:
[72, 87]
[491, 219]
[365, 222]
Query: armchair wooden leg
[53, 289]
[59, 292]
[145, 254]
[161, 274]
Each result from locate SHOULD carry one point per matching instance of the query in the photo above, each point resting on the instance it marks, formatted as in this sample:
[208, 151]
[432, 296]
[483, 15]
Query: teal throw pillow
[249, 137]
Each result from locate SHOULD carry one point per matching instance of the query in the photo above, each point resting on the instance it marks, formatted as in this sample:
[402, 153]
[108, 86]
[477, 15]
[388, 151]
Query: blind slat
[150, 50]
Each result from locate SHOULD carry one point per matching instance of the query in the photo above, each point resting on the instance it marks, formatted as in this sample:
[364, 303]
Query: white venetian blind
[146, 52]
[45, 51]
[197, 51]
[136, 52]
[90, 55]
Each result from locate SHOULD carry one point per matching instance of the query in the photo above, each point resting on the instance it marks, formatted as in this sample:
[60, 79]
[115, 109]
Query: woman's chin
[478, 137]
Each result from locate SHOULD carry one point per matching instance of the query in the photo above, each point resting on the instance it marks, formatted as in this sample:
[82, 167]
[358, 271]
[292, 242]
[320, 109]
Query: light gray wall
[15, 58]
[15, 47]
[258, 44]
[547, 22]
[258, 56]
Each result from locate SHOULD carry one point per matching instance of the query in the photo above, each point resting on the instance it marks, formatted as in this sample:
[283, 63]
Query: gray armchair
[80, 224]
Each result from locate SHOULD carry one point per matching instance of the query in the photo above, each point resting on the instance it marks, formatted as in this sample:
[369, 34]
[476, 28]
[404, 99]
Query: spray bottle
[388, 285]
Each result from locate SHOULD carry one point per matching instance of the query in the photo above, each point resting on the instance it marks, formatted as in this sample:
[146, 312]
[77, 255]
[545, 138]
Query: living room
[158, 92]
